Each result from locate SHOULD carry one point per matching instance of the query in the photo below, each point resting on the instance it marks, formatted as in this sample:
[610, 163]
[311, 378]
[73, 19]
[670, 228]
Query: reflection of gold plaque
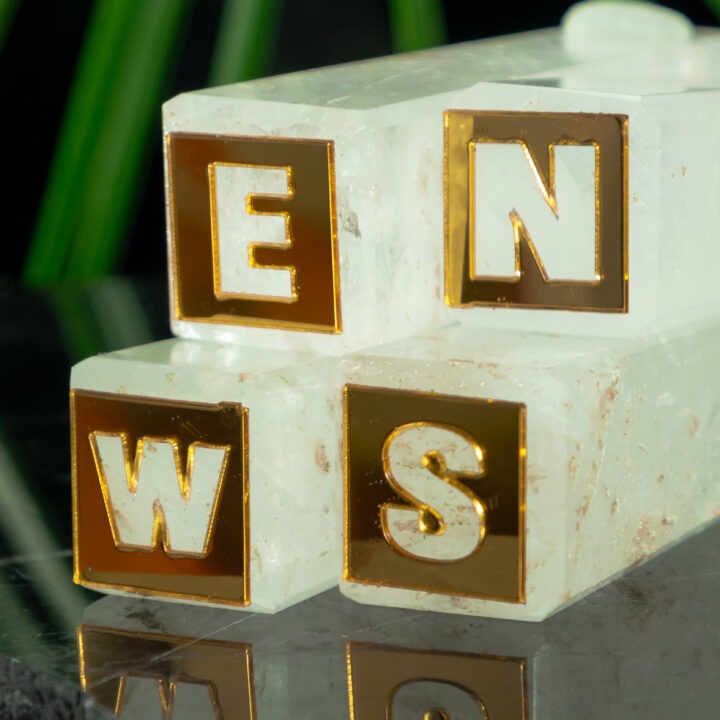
[383, 680]
[310, 248]
[489, 563]
[160, 497]
[539, 135]
[151, 673]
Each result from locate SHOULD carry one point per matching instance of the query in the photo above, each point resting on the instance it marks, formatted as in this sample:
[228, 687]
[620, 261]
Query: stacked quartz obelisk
[446, 325]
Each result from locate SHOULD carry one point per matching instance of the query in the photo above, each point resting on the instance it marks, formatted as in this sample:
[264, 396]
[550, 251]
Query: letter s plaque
[435, 493]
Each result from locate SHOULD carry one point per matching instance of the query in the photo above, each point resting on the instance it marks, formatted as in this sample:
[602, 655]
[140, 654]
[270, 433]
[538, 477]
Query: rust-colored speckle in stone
[572, 465]
[321, 458]
[608, 397]
[582, 511]
[643, 538]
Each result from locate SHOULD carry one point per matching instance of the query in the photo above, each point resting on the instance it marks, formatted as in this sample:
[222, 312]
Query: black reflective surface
[645, 646]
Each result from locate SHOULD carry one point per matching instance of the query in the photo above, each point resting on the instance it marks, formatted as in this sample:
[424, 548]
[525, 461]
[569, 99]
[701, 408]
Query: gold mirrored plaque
[493, 567]
[152, 673]
[309, 253]
[158, 564]
[389, 682]
[539, 134]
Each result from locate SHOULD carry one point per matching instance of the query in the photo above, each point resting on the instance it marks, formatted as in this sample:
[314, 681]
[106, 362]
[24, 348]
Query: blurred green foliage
[99, 166]
[245, 39]
[8, 8]
[100, 154]
[100, 162]
[416, 24]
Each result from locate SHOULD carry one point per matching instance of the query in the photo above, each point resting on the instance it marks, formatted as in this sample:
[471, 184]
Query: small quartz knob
[601, 28]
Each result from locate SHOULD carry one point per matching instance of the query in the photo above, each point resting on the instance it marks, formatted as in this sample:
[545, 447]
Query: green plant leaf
[99, 316]
[246, 38]
[8, 8]
[714, 5]
[100, 151]
[416, 24]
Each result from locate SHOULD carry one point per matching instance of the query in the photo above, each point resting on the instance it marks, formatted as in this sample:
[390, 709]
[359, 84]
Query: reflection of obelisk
[336, 659]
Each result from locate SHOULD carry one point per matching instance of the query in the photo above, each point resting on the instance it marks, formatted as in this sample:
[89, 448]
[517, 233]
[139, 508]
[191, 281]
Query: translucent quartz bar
[377, 134]
[508, 474]
[503, 183]
[207, 473]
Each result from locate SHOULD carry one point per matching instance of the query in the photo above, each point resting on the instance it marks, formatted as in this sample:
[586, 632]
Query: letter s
[423, 462]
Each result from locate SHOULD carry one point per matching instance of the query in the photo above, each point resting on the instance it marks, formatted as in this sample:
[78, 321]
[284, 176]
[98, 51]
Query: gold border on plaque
[310, 253]
[537, 134]
[376, 673]
[494, 572]
[221, 576]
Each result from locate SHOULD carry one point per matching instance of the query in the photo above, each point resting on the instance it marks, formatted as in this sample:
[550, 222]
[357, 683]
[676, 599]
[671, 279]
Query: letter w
[154, 498]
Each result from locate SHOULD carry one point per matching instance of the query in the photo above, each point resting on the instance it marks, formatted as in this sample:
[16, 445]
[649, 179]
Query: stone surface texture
[621, 452]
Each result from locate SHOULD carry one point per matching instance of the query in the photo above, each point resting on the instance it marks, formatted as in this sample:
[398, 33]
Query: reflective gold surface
[537, 134]
[160, 533]
[218, 576]
[495, 571]
[495, 686]
[221, 671]
[310, 253]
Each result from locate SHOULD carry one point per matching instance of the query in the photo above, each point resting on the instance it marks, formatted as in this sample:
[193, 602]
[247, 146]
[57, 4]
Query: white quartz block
[552, 241]
[207, 473]
[504, 183]
[507, 474]
[353, 155]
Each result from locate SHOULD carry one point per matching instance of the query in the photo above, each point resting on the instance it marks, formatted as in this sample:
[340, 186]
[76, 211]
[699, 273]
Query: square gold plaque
[373, 417]
[383, 680]
[310, 251]
[220, 573]
[538, 134]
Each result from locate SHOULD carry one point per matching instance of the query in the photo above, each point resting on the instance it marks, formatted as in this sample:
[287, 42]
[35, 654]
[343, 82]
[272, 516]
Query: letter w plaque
[159, 492]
